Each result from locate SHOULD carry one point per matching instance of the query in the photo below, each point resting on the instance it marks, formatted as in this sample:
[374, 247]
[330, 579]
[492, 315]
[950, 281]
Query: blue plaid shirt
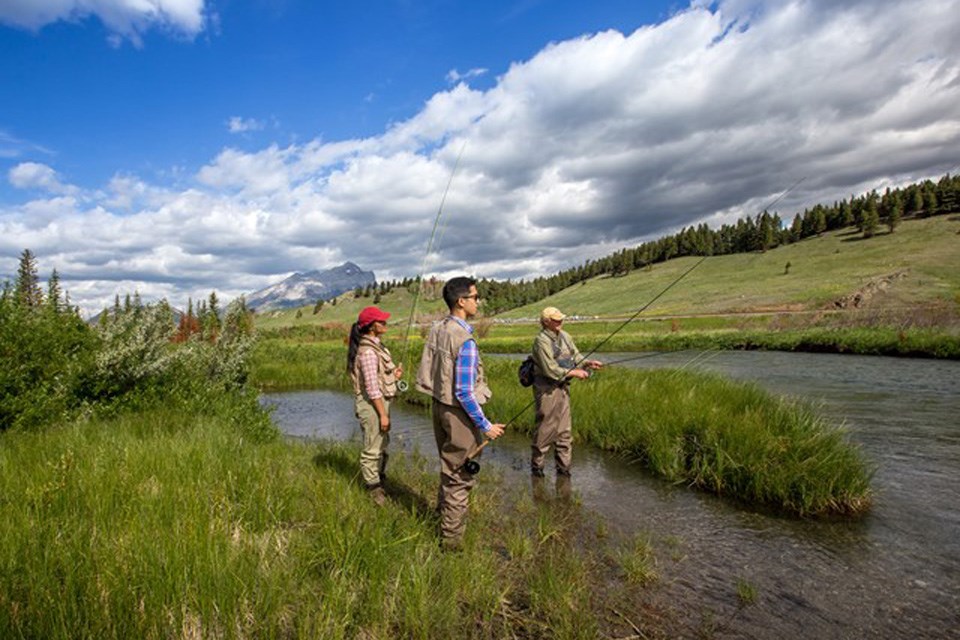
[466, 380]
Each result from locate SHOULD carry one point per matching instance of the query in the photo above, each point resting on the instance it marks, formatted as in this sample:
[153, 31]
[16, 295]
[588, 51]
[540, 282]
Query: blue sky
[295, 69]
[176, 147]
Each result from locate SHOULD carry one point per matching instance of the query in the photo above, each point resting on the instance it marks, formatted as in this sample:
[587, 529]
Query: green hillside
[914, 271]
[916, 268]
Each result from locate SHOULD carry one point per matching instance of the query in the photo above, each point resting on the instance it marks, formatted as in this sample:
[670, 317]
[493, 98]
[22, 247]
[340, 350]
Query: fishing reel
[471, 466]
[402, 386]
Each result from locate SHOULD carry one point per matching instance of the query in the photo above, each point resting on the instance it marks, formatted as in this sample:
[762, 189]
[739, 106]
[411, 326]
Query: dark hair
[356, 332]
[456, 288]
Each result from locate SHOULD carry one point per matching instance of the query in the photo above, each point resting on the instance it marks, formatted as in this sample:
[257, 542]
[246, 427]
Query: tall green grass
[164, 525]
[283, 365]
[729, 438]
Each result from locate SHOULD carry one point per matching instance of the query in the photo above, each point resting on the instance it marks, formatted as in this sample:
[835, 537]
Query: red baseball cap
[371, 314]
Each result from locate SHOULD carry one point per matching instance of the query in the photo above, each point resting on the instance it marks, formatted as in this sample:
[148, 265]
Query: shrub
[43, 354]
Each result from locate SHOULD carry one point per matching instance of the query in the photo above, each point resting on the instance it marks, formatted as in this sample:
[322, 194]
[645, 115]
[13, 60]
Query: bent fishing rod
[402, 384]
[471, 466]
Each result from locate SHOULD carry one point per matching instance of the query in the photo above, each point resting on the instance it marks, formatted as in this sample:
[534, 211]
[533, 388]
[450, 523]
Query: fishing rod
[471, 465]
[641, 357]
[402, 384]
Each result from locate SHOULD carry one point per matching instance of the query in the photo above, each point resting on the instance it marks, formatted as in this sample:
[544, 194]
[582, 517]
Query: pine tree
[870, 219]
[819, 220]
[212, 325]
[27, 292]
[930, 202]
[916, 200]
[895, 214]
[54, 293]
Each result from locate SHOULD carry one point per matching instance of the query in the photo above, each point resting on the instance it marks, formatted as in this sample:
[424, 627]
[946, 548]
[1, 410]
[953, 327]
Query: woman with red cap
[374, 377]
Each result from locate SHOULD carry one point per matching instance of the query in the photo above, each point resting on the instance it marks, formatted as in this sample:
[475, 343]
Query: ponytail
[356, 332]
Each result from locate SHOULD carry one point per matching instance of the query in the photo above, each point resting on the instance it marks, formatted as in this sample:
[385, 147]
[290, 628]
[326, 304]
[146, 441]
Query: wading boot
[451, 545]
[564, 487]
[383, 467]
[538, 485]
[378, 495]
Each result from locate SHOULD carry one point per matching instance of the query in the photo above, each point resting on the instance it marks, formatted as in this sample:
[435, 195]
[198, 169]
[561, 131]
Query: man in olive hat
[556, 362]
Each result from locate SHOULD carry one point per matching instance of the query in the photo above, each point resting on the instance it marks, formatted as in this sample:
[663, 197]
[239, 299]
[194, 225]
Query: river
[892, 574]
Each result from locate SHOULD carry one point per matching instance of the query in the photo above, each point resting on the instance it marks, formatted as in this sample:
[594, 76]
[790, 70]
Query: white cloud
[125, 18]
[455, 77]
[33, 175]
[252, 173]
[592, 144]
[236, 124]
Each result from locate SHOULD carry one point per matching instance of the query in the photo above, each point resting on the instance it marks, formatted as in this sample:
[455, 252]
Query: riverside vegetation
[729, 438]
[146, 494]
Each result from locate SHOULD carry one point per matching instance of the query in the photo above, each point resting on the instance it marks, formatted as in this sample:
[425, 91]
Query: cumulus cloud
[594, 143]
[33, 175]
[125, 18]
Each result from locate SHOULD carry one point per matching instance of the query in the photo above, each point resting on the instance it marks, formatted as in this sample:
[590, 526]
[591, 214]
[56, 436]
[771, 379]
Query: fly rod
[402, 384]
[473, 467]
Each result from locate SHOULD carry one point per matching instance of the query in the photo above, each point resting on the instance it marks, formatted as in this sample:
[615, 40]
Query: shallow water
[893, 574]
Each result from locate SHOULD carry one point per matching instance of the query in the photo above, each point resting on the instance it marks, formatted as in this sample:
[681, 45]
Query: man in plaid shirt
[451, 371]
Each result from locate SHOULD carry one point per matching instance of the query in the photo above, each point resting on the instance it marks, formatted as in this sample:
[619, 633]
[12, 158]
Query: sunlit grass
[164, 525]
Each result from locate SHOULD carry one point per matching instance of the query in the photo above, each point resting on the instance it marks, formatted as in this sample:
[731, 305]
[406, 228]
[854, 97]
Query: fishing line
[639, 311]
[402, 384]
[783, 195]
[642, 356]
[472, 466]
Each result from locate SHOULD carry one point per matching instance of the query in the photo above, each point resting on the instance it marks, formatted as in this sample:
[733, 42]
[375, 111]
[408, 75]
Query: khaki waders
[554, 426]
[456, 437]
[373, 456]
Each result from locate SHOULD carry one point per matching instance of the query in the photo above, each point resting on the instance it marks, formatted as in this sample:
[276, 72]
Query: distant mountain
[306, 288]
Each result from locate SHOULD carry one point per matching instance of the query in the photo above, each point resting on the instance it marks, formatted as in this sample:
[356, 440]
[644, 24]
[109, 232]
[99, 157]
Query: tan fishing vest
[564, 352]
[385, 369]
[437, 373]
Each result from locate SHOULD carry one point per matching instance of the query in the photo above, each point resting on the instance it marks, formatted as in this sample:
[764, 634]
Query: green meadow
[894, 294]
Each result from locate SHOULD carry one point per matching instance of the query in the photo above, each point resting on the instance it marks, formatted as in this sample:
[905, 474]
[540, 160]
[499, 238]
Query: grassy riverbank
[728, 438]
[164, 525]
